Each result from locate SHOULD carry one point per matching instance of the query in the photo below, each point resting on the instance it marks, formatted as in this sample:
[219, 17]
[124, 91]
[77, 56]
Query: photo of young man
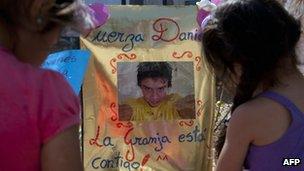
[154, 79]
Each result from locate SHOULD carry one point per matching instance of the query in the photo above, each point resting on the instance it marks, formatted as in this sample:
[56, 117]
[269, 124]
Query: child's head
[248, 39]
[30, 28]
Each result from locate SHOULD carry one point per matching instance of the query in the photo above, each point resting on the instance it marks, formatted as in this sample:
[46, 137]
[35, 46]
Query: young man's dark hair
[154, 70]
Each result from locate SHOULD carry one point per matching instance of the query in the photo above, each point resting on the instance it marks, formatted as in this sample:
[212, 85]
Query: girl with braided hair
[250, 44]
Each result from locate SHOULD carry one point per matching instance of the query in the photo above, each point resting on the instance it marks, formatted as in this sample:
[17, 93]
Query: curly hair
[256, 34]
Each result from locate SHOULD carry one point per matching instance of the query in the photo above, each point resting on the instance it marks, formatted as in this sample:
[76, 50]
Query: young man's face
[154, 90]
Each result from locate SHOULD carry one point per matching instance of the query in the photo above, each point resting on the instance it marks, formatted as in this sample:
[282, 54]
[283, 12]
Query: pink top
[35, 106]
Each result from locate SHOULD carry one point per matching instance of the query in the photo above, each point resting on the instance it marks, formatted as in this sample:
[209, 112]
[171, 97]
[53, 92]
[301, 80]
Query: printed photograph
[153, 91]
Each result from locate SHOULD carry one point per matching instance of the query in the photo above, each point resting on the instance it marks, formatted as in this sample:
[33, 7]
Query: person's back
[280, 133]
[278, 121]
[35, 105]
[251, 45]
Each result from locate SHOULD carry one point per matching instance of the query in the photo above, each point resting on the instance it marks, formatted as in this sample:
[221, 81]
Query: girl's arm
[238, 137]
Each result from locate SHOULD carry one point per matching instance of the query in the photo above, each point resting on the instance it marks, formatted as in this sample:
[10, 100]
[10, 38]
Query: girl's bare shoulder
[262, 119]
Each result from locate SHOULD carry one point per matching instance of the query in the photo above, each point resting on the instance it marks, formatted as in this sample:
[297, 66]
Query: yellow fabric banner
[148, 96]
